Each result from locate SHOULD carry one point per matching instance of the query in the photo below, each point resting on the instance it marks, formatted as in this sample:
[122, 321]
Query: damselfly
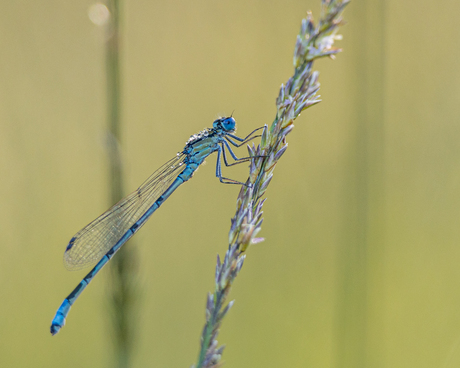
[102, 238]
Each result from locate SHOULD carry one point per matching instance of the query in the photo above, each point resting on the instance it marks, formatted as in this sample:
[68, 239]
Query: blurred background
[360, 266]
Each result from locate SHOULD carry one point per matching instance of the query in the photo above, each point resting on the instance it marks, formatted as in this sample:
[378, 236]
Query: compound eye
[229, 124]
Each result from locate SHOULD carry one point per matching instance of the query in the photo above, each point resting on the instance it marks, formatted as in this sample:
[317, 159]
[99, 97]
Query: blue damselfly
[102, 238]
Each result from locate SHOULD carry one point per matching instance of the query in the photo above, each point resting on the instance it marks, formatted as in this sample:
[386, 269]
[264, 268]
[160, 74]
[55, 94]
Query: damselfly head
[227, 124]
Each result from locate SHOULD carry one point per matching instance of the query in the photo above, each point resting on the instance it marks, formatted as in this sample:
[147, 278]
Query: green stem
[123, 264]
[113, 102]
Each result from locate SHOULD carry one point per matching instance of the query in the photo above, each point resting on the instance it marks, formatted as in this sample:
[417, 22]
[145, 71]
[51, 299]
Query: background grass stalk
[123, 266]
[299, 93]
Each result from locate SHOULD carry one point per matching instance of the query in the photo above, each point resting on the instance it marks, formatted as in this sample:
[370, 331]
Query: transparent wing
[90, 244]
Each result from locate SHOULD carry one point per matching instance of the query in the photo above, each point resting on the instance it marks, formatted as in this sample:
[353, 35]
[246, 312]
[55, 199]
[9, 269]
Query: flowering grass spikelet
[296, 95]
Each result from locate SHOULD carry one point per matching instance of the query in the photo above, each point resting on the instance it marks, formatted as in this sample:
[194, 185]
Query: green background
[360, 267]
